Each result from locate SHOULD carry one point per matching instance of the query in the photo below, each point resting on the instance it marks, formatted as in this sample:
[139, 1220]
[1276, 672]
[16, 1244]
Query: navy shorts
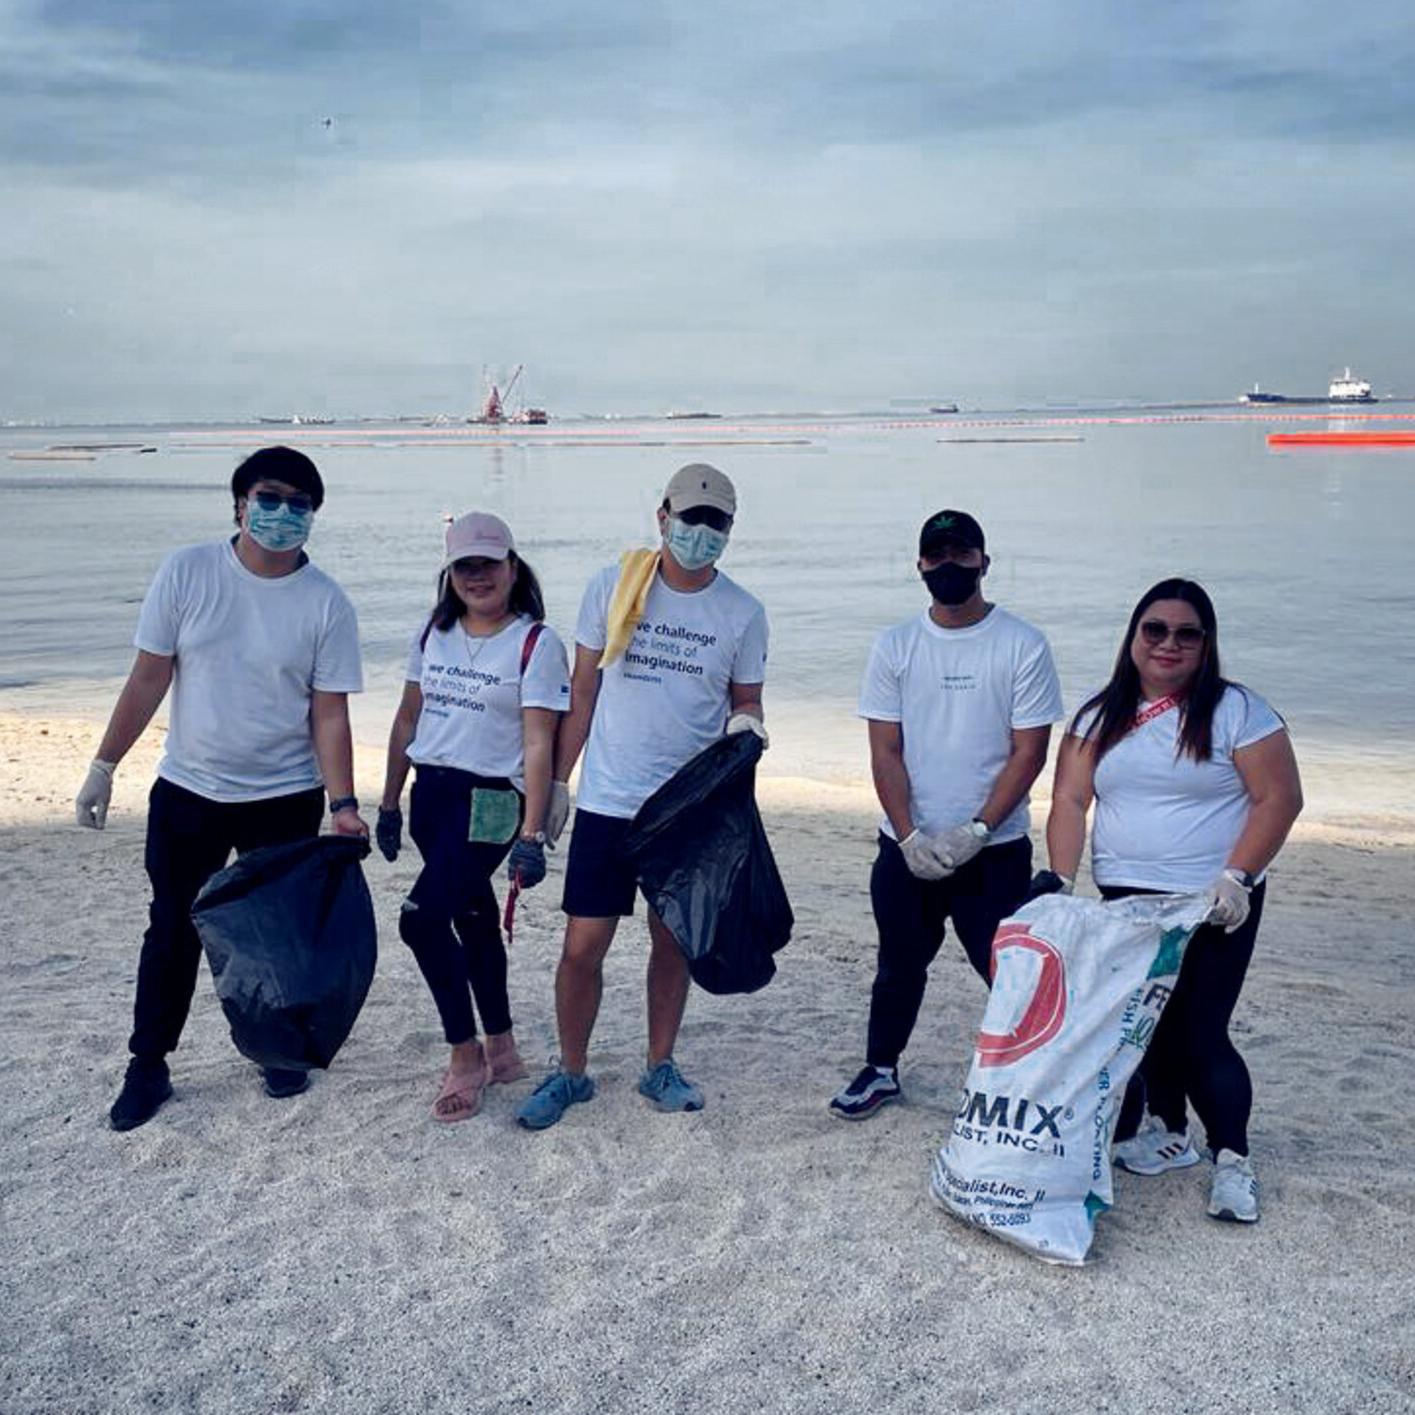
[600, 880]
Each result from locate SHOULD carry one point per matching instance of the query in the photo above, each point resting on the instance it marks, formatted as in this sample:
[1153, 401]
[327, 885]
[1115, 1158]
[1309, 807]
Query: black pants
[189, 838]
[910, 914]
[450, 917]
[1190, 1056]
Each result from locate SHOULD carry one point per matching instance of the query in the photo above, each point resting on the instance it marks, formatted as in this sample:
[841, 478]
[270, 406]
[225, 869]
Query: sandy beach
[339, 1252]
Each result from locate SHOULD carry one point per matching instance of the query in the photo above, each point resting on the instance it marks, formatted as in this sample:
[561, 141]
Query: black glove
[1046, 882]
[527, 859]
[389, 833]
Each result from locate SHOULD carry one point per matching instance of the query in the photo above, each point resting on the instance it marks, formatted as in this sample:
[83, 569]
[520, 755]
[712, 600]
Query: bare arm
[575, 727]
[1024, 764]
[405, 722]
[1269, 773]
[334, 750]
[538, 734]
[1071, 795]
[148, 681]
[747, 697]
[891, 779]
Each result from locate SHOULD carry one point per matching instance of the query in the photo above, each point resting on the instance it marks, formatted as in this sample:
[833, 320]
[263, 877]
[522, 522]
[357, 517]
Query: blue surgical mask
[281, 529]
[694, 547]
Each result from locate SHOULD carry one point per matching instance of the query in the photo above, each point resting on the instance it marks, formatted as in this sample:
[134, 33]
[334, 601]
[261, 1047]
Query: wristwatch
[980, 827]
[1241, 877]
[539, 838]
[343, 803]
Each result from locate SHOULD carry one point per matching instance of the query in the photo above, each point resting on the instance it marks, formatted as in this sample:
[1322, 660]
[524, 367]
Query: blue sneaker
[667, 1087]
[552, 1098]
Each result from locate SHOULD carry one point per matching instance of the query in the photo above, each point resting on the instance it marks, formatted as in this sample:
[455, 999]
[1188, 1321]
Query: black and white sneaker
[874, 1087]
[1155, 1149]
[1235, 1189]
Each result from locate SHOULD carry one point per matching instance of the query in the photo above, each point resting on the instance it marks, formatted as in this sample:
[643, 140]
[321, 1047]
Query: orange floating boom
[1341, 439]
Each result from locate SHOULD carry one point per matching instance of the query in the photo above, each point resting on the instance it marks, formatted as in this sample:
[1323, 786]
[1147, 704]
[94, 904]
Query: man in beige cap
[669, 654]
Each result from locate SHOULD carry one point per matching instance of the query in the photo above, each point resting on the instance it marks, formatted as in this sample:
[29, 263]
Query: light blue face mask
[281, 529]
[694, 547]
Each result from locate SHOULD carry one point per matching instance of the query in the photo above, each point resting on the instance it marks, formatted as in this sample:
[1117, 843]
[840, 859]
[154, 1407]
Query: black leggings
[450, 918]
[1190, 1056]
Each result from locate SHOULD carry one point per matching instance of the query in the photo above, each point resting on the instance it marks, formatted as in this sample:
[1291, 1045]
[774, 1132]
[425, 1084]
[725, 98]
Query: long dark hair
[525, 598]
[1116, 703]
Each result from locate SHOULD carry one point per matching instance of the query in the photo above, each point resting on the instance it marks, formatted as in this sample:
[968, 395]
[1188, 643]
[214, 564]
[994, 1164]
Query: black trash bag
[290, 936]
[704, 862]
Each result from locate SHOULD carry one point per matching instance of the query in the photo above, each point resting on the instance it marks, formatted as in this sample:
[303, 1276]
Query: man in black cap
[260, 650]
[960, 700]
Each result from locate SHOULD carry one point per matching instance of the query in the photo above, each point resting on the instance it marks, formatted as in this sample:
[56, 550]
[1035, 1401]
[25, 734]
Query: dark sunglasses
[297, 501]
[1186, 636]
[706, 516]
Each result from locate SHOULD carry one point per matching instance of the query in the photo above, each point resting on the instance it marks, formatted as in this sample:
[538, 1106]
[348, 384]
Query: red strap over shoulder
[1155, 709]
[528, 645]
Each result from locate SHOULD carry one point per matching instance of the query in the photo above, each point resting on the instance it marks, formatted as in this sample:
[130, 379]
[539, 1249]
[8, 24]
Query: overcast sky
[352, 206]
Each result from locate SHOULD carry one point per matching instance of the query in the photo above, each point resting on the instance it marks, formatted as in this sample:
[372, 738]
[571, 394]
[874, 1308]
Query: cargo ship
[1345, 389]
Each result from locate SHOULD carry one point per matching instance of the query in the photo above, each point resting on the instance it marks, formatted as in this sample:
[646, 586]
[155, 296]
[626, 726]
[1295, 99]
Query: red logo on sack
[1042, 1018]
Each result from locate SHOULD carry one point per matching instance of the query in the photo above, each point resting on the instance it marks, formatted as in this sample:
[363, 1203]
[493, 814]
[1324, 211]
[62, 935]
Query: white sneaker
[1155, 1149]
[1234, 1195]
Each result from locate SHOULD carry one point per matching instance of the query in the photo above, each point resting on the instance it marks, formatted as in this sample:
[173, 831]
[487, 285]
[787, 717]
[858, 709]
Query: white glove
[746, 722]
[1229, 902]
[958, 845]
[557, 811]
[91, 804]
[921, 856]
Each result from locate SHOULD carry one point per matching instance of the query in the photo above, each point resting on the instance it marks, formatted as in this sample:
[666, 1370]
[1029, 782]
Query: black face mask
[952, 584]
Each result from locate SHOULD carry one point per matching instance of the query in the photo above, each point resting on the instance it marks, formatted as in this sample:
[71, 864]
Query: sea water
[1307, 554]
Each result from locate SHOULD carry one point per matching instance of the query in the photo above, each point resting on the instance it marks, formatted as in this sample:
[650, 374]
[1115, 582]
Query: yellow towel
[626, 607]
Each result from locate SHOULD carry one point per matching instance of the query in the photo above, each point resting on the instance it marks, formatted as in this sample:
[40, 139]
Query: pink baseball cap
[478, 533]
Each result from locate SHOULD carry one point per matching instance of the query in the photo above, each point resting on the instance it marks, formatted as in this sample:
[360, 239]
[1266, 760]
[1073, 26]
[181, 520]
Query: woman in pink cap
[487, 680]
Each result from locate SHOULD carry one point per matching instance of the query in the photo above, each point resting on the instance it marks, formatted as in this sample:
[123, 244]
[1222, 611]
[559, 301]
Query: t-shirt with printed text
[249, 651]
[957, 695]
[667, 696]
[473, 693]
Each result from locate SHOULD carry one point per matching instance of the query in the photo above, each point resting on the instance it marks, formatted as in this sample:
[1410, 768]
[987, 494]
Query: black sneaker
[874, 1087]
[280, 1083]
[145, 1086]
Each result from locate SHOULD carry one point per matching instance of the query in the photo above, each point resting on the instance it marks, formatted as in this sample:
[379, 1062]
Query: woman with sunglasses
[1195, 787]
[487, 680]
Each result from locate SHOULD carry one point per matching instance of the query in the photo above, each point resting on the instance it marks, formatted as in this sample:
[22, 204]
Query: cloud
[352, 207]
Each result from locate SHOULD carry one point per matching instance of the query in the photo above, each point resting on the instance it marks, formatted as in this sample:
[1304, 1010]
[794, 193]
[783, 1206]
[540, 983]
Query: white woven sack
[1078, 987]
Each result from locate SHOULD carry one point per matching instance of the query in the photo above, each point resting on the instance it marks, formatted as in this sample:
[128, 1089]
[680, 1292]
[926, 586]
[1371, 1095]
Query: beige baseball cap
[478, 533]
[699, 484]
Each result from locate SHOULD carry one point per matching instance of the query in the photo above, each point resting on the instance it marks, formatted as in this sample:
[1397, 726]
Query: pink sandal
[461, 1095]
[503, 1061]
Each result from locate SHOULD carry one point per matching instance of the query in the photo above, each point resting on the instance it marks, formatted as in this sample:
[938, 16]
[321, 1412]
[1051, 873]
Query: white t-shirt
[1165, 821]
[666, 697]
[958, 694]
[249, 652]
[473, 694]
